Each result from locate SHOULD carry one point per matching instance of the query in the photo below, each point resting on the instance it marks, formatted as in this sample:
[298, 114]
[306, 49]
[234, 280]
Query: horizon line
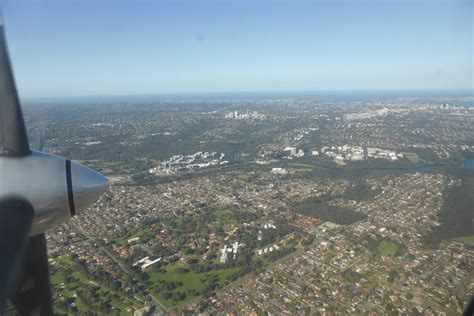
[203, 93]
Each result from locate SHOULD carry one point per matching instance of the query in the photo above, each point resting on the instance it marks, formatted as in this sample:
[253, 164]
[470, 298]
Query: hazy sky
[75, 48]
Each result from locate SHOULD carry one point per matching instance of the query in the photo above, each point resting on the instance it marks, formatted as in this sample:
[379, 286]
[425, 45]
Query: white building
[279, 171]
[132, 240]
[292, 150]
[146, 262]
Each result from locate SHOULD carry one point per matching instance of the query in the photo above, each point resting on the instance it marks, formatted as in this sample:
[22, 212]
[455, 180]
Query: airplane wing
[16, 217]
[13, 136]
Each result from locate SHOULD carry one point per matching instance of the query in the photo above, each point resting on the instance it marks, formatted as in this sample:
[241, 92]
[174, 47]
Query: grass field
[189, 281]
[300, 167]
[139, 232]
[387, 248]
[467, 240]
[414, 158]
[226, 218]
[67, 280]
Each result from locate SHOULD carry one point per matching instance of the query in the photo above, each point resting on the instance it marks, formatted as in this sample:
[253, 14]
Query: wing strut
[16, 217]
[33, 295]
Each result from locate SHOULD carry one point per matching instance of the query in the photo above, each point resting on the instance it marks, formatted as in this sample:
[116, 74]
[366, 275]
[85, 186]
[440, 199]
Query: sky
[84, 48]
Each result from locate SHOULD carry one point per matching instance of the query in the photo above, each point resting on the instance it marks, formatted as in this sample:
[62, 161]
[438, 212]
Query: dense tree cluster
[321, 209]
[457, 213]
[361, 190]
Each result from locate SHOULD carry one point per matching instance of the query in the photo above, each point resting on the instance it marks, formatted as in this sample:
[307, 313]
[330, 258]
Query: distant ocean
[320, 95]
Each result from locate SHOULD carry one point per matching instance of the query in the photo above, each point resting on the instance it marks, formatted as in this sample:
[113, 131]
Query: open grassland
[387, 248]
[467, 240]
[77, 292]
[414, 158]
[175, 285]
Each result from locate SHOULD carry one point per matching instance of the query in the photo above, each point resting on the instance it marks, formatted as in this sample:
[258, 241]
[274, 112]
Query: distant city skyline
[86, 48]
